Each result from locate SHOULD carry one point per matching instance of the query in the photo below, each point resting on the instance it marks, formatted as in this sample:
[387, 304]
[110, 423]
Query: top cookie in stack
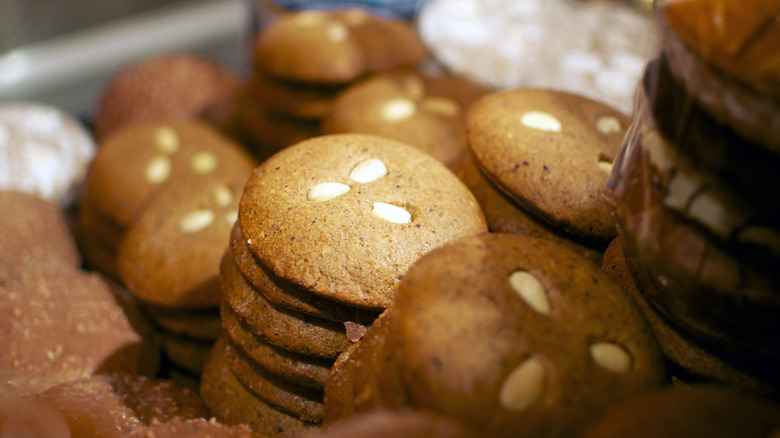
[301, 60]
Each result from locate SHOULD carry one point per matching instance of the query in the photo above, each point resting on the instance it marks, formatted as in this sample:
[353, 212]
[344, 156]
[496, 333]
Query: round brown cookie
[97, 229]
[334, 47]
[701, 410]
[34, 232]
[691, 361]
[137, 162]
[284, 294]
[503, 215]
[121, 404]
[308, 371]
[44, 151]
[169, 256]
[701, 254]
[729, 65]
[551, 152]
[382, 423]
[232, 404]
[552, 338]
[292, 99]
[162, 87]
[185, 353]
[202, 324]
[287, 396]
[422, 110]
[180, 428]
[365, 376]
[350, 214]
[61, 324]
[286, 329]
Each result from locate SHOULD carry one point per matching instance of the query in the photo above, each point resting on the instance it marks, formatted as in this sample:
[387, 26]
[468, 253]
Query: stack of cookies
[327, 229]
[539, 165]
[696, 194]
[301, 60]
[421, 109]
[158, 206]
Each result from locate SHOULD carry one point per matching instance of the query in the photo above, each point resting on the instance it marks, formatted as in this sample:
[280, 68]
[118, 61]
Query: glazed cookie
[551, 152]
[690, 361]
[424, 111]
[139, 161]
[287, 396]
[62, 324]
[232, 403]
[284, 294]
[701, 410]
[552, 339]
[334, 47]
[308, 371]
[35, 232]
[350, 213]
[170, 255]
[504, 215]
[162, 87]
[43, 151]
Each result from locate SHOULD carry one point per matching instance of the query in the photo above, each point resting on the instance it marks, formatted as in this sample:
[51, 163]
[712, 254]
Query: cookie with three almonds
[345, 215]
[334, 47]
[552, 339]
[552, 153]
[423, 110]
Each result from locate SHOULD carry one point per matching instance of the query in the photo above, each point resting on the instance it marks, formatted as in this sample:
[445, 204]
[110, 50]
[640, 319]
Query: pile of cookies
[311, 266]
[696, 199]
[301, 60]
[159, 201]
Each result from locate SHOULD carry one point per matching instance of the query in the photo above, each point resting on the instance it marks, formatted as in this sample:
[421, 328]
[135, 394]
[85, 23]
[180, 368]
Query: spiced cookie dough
[551, 340]
[345, 215]
[552, 153]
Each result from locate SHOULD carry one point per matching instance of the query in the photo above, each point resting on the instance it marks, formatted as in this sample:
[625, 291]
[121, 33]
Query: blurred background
[62, 52]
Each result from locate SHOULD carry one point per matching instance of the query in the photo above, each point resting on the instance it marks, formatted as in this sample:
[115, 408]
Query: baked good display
[545, 351]
[177, 85]
[44, 151]
[424, 110]
[700, 234]
[366, 235]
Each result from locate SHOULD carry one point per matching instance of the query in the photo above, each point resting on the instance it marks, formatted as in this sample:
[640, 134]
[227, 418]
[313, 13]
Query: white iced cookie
[43, 151]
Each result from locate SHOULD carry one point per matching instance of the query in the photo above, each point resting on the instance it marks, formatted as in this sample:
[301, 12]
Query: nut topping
[166, 140]
[398, 110]
[368, 170]
[158, 169]
[326, 191]
[391, 213]
[196, 220]
[441, 106]
[530, 290]
[541, 121]
[611, 357]
[523, 386]
[608, 125]
[223, 196]
[203, 162]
